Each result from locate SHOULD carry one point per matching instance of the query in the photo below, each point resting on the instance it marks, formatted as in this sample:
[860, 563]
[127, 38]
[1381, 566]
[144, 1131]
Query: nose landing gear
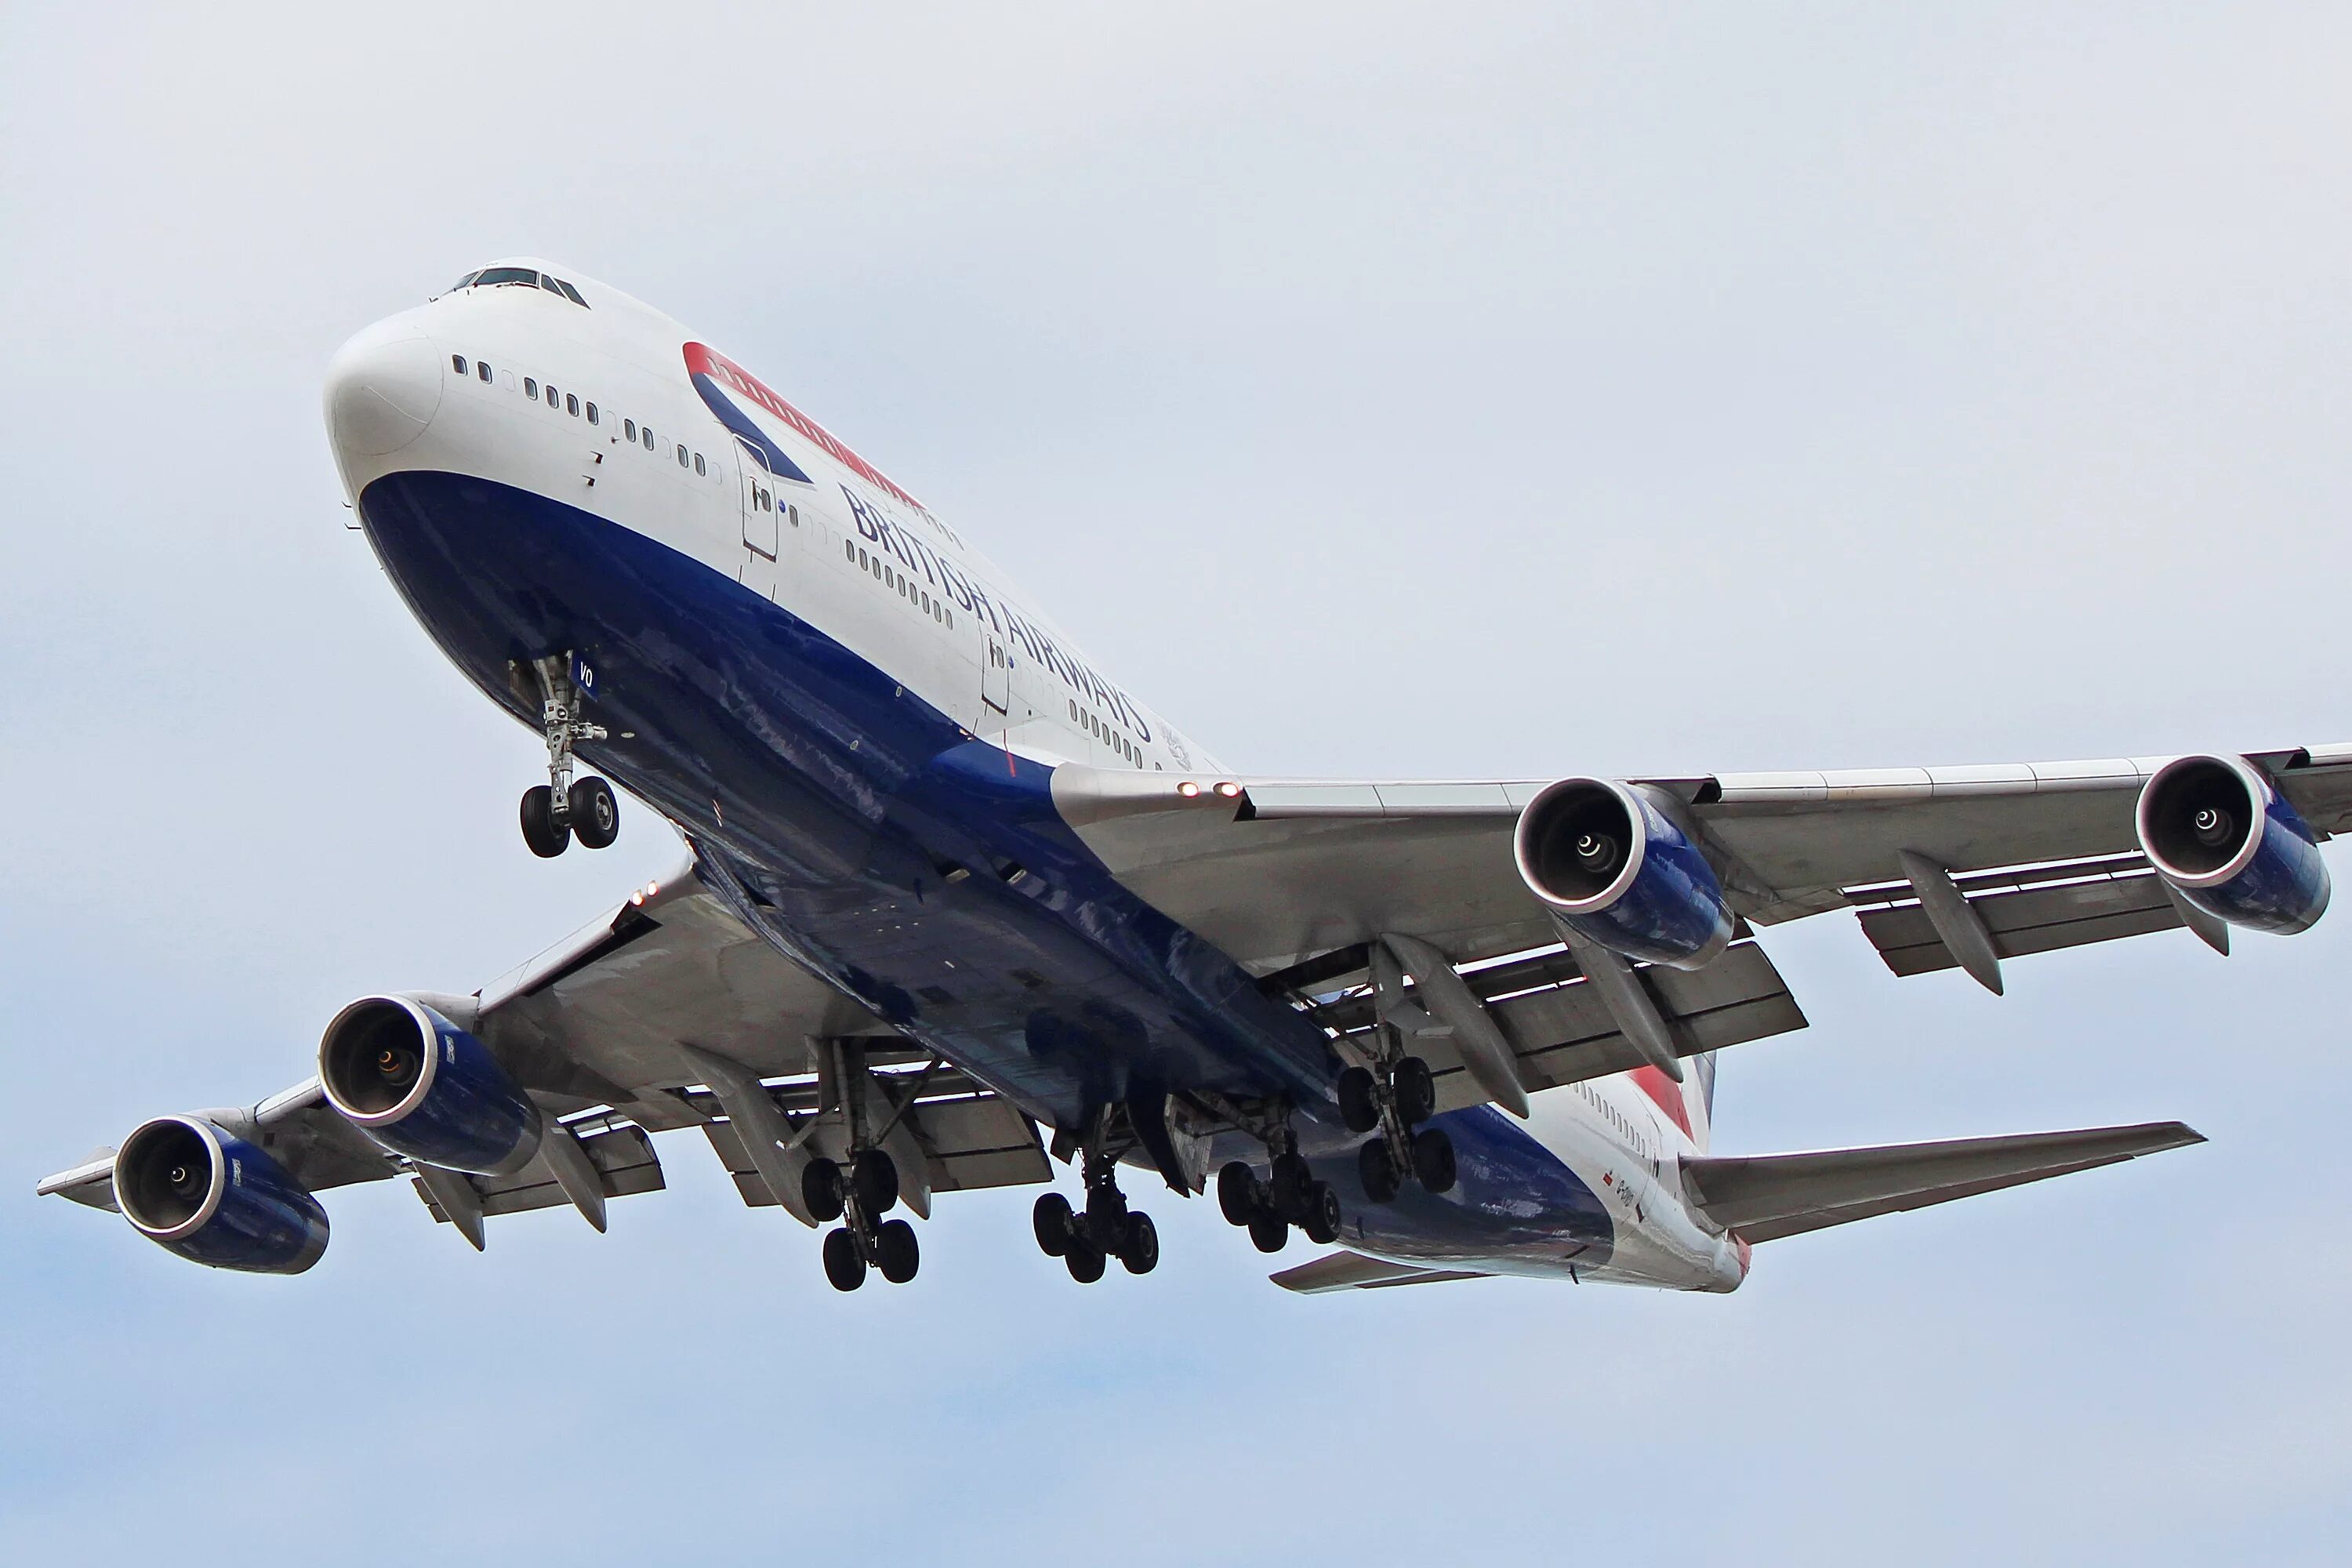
[563, 808]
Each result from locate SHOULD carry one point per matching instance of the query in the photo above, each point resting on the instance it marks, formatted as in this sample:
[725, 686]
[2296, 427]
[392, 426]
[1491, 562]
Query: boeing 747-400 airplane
[953, 904]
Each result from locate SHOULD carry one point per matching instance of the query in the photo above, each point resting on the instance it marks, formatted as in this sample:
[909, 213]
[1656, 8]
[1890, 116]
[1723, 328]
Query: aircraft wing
[592, 1030]
[1765, 1197]
[1278, 871]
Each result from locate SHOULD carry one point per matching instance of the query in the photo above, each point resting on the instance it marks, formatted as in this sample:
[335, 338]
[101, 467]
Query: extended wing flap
[1561, 1031]
[1354, 1271]
[622, 1156]
[2033, 910]
[1765, 1197]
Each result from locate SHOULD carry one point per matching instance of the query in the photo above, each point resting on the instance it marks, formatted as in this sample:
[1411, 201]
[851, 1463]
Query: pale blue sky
[1375, 389]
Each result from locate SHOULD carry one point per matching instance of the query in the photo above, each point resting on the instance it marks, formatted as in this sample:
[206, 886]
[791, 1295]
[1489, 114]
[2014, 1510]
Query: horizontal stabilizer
[1354, 1271]
[1767, 1196]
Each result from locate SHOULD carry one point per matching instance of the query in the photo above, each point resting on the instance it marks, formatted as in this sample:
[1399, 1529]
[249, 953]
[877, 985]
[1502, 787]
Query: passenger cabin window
[457, 363]
[649, 437]
[554, 399]
[681, 456]
[629, 429]
[572, 404]
[591, 413]
[698, 464]
[530, 386]
[482, 369]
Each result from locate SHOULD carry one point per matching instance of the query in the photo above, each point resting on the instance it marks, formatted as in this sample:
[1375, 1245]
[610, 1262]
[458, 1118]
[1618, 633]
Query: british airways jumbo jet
[954, 904]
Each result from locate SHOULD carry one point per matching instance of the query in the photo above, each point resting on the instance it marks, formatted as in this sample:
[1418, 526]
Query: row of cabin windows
[1616, 1118]
[1093, 726]
[568, 402]
[897, 582]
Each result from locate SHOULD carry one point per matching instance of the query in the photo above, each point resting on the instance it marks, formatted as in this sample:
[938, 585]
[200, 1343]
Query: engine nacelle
[1616, 869]
[210, 1196]
[2230, 844]
[420, 1086]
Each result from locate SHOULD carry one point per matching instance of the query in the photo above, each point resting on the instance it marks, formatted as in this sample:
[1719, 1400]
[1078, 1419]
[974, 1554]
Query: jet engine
[1615, 868]
[210, 1196]
[420, 1086]
[2230, 844]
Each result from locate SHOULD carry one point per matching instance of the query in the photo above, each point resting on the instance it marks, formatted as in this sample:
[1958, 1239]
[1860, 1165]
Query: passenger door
[995, 670]
[759, 504]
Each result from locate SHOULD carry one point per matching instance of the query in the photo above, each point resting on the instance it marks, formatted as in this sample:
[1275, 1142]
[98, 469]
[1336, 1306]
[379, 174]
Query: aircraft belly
[924, 872]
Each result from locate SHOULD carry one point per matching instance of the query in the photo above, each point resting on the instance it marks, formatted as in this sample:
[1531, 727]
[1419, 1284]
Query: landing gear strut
[1085, 1240]
[1392, 1097]
[563, 808]
[859, 1197]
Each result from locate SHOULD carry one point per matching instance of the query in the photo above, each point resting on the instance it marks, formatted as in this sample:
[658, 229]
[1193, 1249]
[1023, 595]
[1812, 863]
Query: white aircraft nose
[383, 387]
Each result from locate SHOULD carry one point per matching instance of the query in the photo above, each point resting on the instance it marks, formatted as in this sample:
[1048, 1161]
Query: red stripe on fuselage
[703, 360]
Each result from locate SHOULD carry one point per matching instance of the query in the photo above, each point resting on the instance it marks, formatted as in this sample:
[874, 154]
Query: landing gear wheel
[596, 814]
[1084, 1259]
[875, 1180]
[1288, 1185]
[1238, 1197]
[1054, 1223]
[1415, 1091]
[1138, 1249]
[1322, 1221]
[1360, 1100]
[844, 1265]
[821, 1190]
[1377, 1169]
[547, 838]
[1433, 1158]
[1269, 1232]
[896, 1252]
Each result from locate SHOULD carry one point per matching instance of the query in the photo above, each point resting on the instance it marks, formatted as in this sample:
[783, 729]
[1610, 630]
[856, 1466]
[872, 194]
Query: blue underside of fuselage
[839, 805]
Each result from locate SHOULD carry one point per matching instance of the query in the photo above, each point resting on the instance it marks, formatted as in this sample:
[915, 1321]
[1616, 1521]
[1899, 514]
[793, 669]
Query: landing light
[1229, 791]
[1188, 789]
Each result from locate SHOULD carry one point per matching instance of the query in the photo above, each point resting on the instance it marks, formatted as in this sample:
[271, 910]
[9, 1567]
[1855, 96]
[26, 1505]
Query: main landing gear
[868, 1192]
[564, 808]
[1393, 1102]
[1107, 1228]
[1287, 1194]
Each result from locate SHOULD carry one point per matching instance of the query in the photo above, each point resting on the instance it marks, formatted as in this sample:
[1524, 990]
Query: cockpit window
[526, 276]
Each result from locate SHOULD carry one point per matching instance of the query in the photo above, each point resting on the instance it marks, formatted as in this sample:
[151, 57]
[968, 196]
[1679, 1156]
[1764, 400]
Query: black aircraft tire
[1288, 1186]
[875, 1179]
[895, 1251]
[596, 814]
[1084, 1260]
[1269, 1233]
[1138, 1249]
[1415, 1091]
[1378, 1171]
[844, 1264]
[1359, 1101]
[1053, 1224]
[1322, 1221]
[1238, 1198]
[547, 838]
[1433, 1158]
[821, 1190]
